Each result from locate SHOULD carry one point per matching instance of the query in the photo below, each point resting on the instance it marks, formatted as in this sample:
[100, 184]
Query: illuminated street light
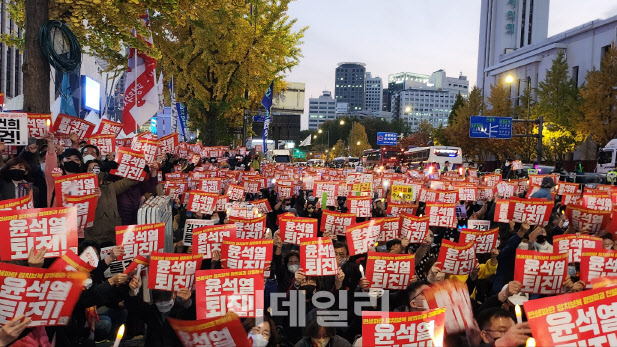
[358, 143]
[342, 122]
[315, 136]
[320, 131]
[509, 79]
[408, 109]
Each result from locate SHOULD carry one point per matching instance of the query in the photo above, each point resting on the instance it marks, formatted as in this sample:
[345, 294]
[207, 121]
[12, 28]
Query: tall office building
[373, 93]
[349, 84]
[401, 81]
[426, 104]
[385, 101]
[322, 109]
[11, 59]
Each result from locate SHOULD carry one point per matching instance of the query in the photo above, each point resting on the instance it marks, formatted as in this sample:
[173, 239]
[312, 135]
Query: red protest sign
[175, 188]
[534, 211]
[23, 203]
[359, 205]
[414, 228]
[540, 273]
[428, 195]
[67, 125]
[46, 296]
[506, 190]
[491, 180]
[284, 192]
[138, 260]
[536, 180]
[105, 143]
[235, 192]
[568, 188]
[140, 239]
[573, 245]
[570, 199]
[398, 209]
[221, 203]
[423, 328]
[334, 223]
[360, 237]
[76, 185]
[210, 238]
[390, 229]
[485, 193]
[38, 124]
[600, 202]
[448, 196]
[249, 228]
[70, 262]
[442, 215]
[454, 296]
[246, 254]
[172, 272]
[146, 146]
[389, 271]
[467, 193]
[253, 185]
[293, 229]
[169, 143]
[318, 258]
[502, 211]
[221, 291]
[263, 206]
[130, 164]
[107, 127]
[226, 330]
[201, 202]
[85, 206]
[585, 318]
[328, 187]
[457, 258]
[211, 185]
[484, 241]
[52, 228]
[597, 264]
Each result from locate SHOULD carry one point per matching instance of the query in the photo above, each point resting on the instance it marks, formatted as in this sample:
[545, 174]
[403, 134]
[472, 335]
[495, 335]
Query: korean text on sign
[540, 273]
[37, 124]
[140, 239]
[67, 125]
[424, 328]
[85, 206]
[107, 127]
[587, 318]
[361, 237]
[208, 239]
[192, 224]
[14, 128]
[586, 219]
[598, 264]
[293, 229]
[246, 254]
[391, 227]
[226, 330]
[573, 245]
[335, 223]
[442, 215]
[202, 202]
[414, 228]
[46, 296]
[484, 241]
[130, 164]
[171, 271]
[222, 291]
[249, 228]
[360, 206]
[454, 296]
[457, 258]
[534, 211]
[51, 228]
[318, 258]
[389, 271]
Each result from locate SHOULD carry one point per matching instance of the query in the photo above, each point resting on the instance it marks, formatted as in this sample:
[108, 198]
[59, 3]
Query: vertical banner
[484, 241]
[414, 228]
[140, 239]
[246, 254]
[208, 239]
[52, 228]
[295, 228]
[47, 297]
[318, 258]
[225, 330]
[423, 328]
[454, 296]
[221, 291]
[540, 273]
[267, 103]
[389, 271]
[172, 272]
[457, 258]
[335, 223]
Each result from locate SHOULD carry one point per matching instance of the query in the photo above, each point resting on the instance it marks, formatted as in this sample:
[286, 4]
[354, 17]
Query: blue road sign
[259, 118]
[490, 127]
[387, 139]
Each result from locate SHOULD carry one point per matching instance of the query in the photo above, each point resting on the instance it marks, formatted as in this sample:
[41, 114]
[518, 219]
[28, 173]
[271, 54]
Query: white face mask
[88, 157]
[287, 207]
[293, 268]
[165, 307]
[523, 245]
[423, 304]
[258, 340]
[43, 167]
[215, 220]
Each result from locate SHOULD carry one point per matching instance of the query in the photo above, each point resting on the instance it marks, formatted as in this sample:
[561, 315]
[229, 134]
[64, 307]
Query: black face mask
[71, 166]
[541, 238]
[16, 174]
[308, 290]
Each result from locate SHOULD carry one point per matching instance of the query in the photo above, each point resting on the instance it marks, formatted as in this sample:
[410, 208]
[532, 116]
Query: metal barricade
[158, 210]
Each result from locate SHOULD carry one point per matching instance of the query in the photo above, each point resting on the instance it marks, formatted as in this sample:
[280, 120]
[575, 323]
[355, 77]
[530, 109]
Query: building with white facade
[373, 93]
[321, 109]
[290, 100]
[426, 104]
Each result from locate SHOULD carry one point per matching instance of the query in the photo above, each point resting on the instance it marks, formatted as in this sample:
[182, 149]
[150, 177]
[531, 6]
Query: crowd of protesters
[106, 303]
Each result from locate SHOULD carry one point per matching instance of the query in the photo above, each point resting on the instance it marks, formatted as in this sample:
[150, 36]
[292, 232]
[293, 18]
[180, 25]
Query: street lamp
[358, 143]
[408, 109]
[314, 136]
[320, 131]
[509, 79]
[342, 122]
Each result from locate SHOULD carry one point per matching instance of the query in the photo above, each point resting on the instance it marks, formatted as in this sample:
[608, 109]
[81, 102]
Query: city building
[11, 59]
[349, 84]
[401, 81]
[385, 101]
[425, 104]
[291, 100]
[322, 109]
[283, 127]
[373, 93]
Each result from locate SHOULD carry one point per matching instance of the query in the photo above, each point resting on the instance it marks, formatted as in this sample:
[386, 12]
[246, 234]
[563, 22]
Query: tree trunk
[35, 68]
[209, 137]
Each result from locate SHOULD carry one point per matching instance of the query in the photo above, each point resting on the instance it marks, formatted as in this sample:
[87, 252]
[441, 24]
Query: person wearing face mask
[505, 168]
[164, 304]
[350, 269]
[316, 335]
[71, 161]
[312, 209]
[90, 152]
[15, 181]
[285, 267]
[538, 241]
[263, 334]
[130, 200]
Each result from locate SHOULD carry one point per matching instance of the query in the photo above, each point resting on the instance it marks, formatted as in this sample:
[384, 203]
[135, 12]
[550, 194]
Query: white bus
[434, 154]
